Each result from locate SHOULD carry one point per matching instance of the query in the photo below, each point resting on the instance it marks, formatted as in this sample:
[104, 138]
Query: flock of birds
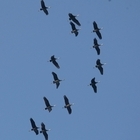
[99, 65]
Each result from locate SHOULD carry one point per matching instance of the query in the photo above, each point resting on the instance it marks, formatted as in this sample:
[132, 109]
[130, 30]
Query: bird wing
[69, 109]
[76, 33]
[95, 41]
[101, 70]
[95, 25]
[43, 126]
[46, 11]
[76, 21]
[93, 80]
[94, 88]
[98, 62]
[52, 58]
[56, 64]
[45, 135]
[46, 101]
[57, 84]
[55, 76]
[70, 16]
[66, 100]
[43, 4]
[98, 50]
[36, 131]
[32, 123]
[72, 26]
[99, 34]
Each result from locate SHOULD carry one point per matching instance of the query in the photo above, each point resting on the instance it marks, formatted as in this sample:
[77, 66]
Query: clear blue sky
[29, 38]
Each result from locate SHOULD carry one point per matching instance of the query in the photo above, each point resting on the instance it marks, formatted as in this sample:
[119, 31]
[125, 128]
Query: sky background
[29, 38]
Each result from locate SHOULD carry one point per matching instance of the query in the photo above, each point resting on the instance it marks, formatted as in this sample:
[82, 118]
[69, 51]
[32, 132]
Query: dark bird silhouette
[53, 60]
[97, 30]
[44, 8]
[56, 79]
[44, 131]
[67, 104]
[99, 66]
[93, 84]
[96, 46]
[73, 18]
[74, 30]
[34, 127]
[48, 106]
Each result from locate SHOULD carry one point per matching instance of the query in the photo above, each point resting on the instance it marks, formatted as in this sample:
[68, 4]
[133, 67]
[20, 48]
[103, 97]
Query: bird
[96, 46]
[56, 79]
[74, 30]
[99, 66]
[44, 131]
[48, 106]
[97, 30]
[67, 104]
[73, 18]
[53, 60]
[34, 127]
[44, 8]
[93, 84]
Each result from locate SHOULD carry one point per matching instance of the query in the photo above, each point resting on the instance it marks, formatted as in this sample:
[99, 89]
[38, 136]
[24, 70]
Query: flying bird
[97, 30]
[67, 104]
[99, 66]
[53, 60]
[44, 8]
[74, 30]
[56, 79]
[93, 84]
[48, 106]
[34, 127]
[96, 46]
[73, 18]
[44, 131]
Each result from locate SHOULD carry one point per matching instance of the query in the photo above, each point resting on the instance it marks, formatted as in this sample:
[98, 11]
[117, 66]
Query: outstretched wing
[93, 80]
[95, 25]
[46, 101]
[97, 49]
[57, 84]
[45, 135]
[99, 34]
[55, 76]
[43, 126]
[32, 123]
[76, 21]
[95, 41]
[66, 100]
[94, 88]
[69, 109]
[72, 26]
[43, 4]
[56, 64]
[98, 62]
[45, 11]
[101, 69]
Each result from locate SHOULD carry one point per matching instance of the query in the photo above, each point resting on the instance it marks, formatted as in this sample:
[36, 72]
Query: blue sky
[29, 38]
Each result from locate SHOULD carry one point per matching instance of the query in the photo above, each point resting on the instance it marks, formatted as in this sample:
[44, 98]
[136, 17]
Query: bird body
[48, 106]
[73, 18]
[53, 60]
[44, 8]
[99, 66]
[93, 84]
[97, 30]
[67, 104]
[44, 131]
[34, 127]
[56, 79]
[96, 46]
[74, 30]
